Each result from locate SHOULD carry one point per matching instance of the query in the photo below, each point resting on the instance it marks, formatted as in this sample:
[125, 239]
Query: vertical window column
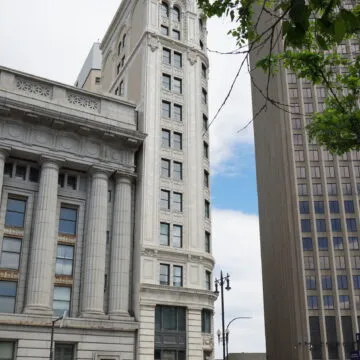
[3, 155]
[120, 248]
[39, 290]
[94, 267]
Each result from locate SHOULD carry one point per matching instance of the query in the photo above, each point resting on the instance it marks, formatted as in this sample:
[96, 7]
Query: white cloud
[236, 245]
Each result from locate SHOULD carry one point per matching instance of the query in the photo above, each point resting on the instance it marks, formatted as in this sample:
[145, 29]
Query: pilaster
[3, 155]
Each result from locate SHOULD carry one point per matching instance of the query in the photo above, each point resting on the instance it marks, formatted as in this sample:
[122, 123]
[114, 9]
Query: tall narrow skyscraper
[309, 224]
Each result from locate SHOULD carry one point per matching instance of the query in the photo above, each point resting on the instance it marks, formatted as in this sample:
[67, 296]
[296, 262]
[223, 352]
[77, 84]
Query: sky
[52, 39]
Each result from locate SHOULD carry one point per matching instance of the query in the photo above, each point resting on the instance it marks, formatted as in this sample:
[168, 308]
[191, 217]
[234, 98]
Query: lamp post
[221, 281]
[227, 332]
[53, 322]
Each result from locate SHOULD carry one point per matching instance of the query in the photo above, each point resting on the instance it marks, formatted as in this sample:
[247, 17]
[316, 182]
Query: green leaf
[322, 42]
[339, 29]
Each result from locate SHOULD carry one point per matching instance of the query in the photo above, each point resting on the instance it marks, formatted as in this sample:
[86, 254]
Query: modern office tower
[67, 179]
[154, 55]
[309, 224]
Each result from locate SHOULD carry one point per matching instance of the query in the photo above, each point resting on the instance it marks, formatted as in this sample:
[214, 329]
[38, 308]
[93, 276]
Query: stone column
[3, 156]
[39, 289]
[95, 247]
[120, 249]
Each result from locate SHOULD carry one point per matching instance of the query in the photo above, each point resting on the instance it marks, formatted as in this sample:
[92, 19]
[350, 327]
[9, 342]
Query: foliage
[311, 31]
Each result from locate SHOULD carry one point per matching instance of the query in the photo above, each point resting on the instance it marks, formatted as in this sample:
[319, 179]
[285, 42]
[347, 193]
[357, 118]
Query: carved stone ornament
[83, 101]
[192, 57]
[208, 341]
[33, 87]
[153, 42]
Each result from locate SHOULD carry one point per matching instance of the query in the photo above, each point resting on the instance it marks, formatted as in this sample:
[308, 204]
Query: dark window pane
[20, 171]
[323, 243]
[34, 174]
[307, 244]
[169, 318]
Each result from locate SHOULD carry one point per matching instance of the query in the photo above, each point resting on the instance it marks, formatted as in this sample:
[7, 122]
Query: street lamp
[227, 332]
[222, 281]
[53, 322]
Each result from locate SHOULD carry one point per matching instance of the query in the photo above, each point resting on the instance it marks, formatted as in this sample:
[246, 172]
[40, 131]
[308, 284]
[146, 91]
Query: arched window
[119, 48]
[121, 88]
[124, 40]
[176, 13]
[164, 9]
[201, 24]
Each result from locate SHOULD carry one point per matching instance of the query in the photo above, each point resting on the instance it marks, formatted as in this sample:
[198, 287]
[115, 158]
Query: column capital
[4, 152]
[122, 177]
[97, 171]
[51, 161]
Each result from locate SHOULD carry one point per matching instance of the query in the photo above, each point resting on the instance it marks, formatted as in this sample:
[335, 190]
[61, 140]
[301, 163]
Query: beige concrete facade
[309, 224]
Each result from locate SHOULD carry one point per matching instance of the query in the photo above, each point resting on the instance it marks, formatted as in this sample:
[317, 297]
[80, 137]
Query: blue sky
[52, 39]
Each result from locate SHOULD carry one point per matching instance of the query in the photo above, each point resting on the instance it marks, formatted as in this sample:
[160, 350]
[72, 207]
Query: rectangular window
[320, 225]
[312, 302]
[177, 141]
[342, 282]
[206, 179]
[302, 190]
[164, 274]
[326, 282]
[356, 280]
[317, 189]
[10, 253]
[323, 243]
[320, 92]
[307, 244]
[336, 225]
[165, 168]
[304, 207]
[353, 242]
[297, 138]
[309, 263]
[310, 282]
[331, 189]
[67, 221]
[7, 350]
[164, 234]
[166, 82]
[207, 242]
[204, 96]
[344, 302]
[165, 138]
[349, 206]
[299, 155]
[305, 225]
[207, 209]
[291, 78]
[7, 296]
[346, 188]
[334, 207]
[324, 263]
[207, 280]
[328, 302]
[206, 319]
[307, 92]
[165, 200]
[338, 243]
[177, 236]
[164, 30]
[34, 175]
[308, 108]
[165, 109]
[351, 225]
[319, 207]
[293, 93]
[206, 150]
[178, 60]
[177, 171]
[340, 262]
[64, 260]
[315, 172]
[300, 172]
[296, 124]
[203, 70]
[177, 86]
[61, 300]
[330, 171]
[177, 201]
[176, 34]
[344, 171]
[166, 56]
[177, 276]
[8, 169]
[313, 155]
[15, 213]
[355, 262]
[177, 112]
[64, 351]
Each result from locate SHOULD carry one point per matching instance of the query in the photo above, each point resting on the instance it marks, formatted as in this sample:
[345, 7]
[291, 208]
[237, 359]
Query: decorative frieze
[86, 102]
[34, 87]
[9, 274]
[153, 42]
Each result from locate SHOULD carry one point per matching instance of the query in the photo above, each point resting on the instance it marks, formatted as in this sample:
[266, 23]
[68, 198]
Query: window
[206, 316]
[305, 225]
[334, 207]
[296, 124]
[67, 223]
[326, 282]
[312, 302]
[64, 351]
[324, 263]
[166, 56]
[97, 80]
[328, 156]
[177, 141]
[355, 262]
[346, 188]
[165, 200]
[177, 60]
[34, 175]
[204, 96]
[309, 263]
[314, 155]
[331, 189]
[206, 150]
[307, 243]
[207, 280]
[71, 182]
[165, 138]
[170, 318]
[320, 225]
[295, 109]
[291, 78]
[177, 86]
[335, 225]
[118, 69]
[164, 8]
[177, 201]
[353, 242]
[124, 41]
[315, 172]
[164, 234]
[330, 171]
[61, 300]
[344, 171]
[203, 70]
[165, 109]
[299, 155]
[302, 190]
[64, 260]
[177, 276]
[320, 92]
[297, 138]
[116, 93]
[176, 34]
[340, 262]
[351, 225]
[166, 82]
[293, 93]
[7, 350]
[323, 243]
[20, 172]
[164, 30]
[164, 274]
[165, 168]
[338, 243]
[176, 14]
[207, 242]
[307, 92]
[206, 179]
[15, 213]
[328, 302]
[300, 172]
[356, 280]
[121, 88]
[207, 209]
[177, 112]
[177, 171]
[201, 45]
[10, 253]
[342, 282]
[349, 206]
[317, 189]
[344, 302]
[304, 207]
[310, 282]
[7, 296]
[319, 207]
[177, 236]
